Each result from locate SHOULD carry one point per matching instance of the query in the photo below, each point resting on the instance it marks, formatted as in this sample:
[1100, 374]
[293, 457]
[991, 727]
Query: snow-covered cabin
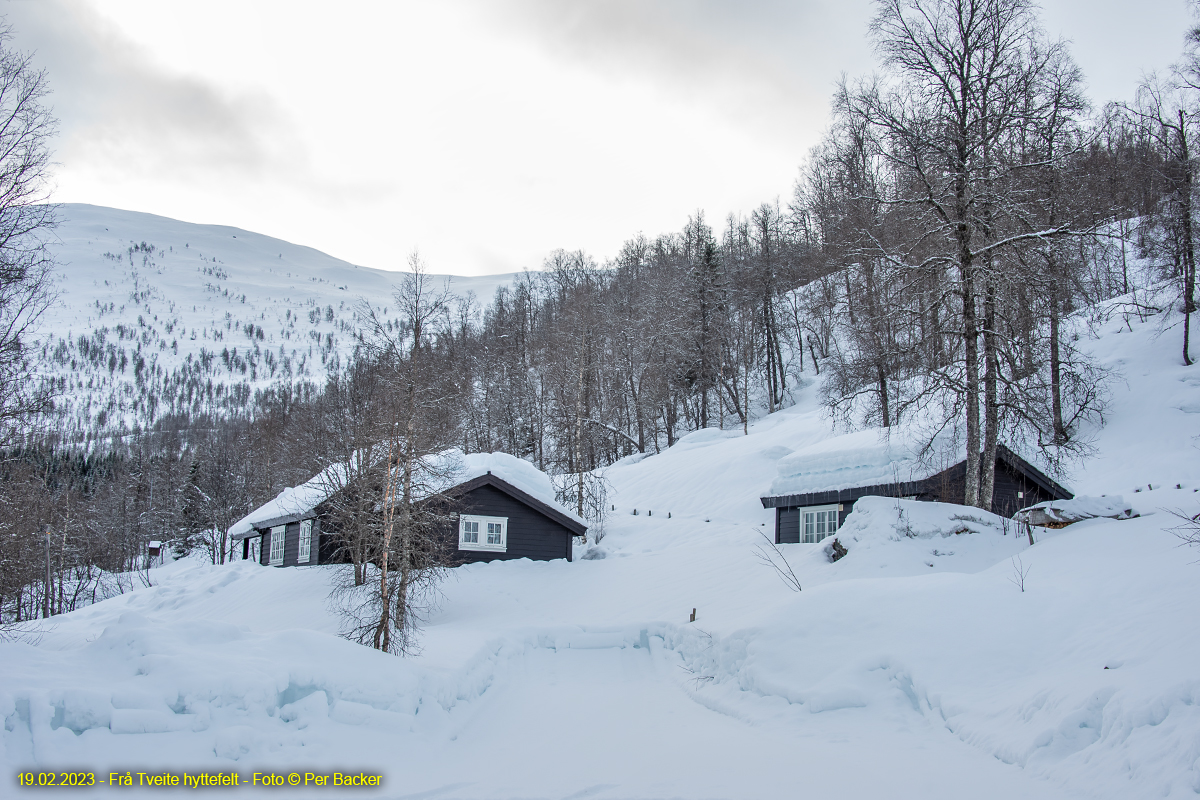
[506, 509]
[817, 486]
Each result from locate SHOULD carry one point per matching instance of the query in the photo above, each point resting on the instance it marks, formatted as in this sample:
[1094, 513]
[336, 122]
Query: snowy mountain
[942, 657]
[159, 316]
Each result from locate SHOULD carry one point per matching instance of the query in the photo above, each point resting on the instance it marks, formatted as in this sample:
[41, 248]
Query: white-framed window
[817, 522]
[277, 540]
[482, 533]
[306, 531]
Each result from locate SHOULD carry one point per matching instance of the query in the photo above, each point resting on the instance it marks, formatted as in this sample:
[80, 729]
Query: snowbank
[1064, 512]
[893, 537]
[894, 519]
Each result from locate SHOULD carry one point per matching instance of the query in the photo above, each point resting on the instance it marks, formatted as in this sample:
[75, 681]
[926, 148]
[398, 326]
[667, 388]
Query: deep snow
[916, 666]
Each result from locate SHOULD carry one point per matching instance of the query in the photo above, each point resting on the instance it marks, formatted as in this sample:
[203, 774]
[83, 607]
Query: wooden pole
[46, 594]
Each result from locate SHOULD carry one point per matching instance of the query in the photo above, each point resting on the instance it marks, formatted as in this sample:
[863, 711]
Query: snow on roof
[872, 457]
[516, 471]
[447, 470]
[293, 501]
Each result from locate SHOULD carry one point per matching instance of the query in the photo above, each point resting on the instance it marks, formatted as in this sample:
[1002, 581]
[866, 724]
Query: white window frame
[482, 535]
[305, 552]
[816, 535]
[277, 545]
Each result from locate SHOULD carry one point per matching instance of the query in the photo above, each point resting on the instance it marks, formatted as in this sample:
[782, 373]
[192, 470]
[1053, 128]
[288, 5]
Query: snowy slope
[914, 667]
[195, 303]
[1152, 432]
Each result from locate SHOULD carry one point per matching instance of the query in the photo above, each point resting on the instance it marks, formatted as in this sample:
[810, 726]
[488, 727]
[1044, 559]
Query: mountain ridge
[157, 316]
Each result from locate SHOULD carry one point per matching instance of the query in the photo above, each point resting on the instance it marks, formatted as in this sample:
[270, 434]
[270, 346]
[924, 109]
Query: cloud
[116, 105]
[767, 64]
[125, 117]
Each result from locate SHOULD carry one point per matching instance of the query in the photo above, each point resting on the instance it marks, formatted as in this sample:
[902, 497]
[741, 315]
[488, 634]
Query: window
[306, 529]
[482, 533]
[277, 540]
[818, 522]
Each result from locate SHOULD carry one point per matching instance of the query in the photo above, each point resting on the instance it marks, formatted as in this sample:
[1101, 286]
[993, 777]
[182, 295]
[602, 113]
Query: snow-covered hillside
[158, 316]
[920, 665]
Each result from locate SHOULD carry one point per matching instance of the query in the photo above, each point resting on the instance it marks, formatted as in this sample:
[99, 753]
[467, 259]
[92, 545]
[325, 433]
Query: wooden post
[693, 619]
[46, 595]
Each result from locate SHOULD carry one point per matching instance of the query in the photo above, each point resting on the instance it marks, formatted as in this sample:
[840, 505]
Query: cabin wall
[787, 526]
[787, 521]
[531, 534]
[1010, 483]
[949, 486]
[291, 546]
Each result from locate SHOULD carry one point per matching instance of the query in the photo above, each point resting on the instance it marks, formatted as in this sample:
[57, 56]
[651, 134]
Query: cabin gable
[530, 532]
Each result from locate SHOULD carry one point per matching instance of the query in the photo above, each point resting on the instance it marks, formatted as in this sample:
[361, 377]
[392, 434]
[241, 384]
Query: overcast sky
[484, 132]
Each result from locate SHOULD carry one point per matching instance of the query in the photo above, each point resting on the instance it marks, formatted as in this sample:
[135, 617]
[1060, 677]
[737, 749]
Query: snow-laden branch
[617, 431]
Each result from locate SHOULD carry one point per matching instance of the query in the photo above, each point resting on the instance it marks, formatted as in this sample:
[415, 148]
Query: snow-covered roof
[448, 469]
[293, 501]
[516, 471]
[874, 457]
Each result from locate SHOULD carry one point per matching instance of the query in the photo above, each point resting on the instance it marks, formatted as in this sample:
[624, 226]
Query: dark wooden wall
[787, 526]
[949, 486]
[291, 546]
[787, 520]
[531, 534]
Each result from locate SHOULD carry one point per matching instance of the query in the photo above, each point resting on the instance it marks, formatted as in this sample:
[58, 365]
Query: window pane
[305, 541]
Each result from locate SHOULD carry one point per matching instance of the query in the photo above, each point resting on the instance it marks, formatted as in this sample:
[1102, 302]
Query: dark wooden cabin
[812, 517]
[494, 520]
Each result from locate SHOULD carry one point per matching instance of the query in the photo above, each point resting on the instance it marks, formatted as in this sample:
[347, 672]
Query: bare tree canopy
[26, 222]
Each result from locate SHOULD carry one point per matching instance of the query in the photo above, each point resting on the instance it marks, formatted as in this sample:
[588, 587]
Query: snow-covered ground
[149, 305]
[917, 666]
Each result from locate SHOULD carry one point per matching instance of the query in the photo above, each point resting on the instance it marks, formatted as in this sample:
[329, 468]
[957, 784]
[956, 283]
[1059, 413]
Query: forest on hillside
[965, 206]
